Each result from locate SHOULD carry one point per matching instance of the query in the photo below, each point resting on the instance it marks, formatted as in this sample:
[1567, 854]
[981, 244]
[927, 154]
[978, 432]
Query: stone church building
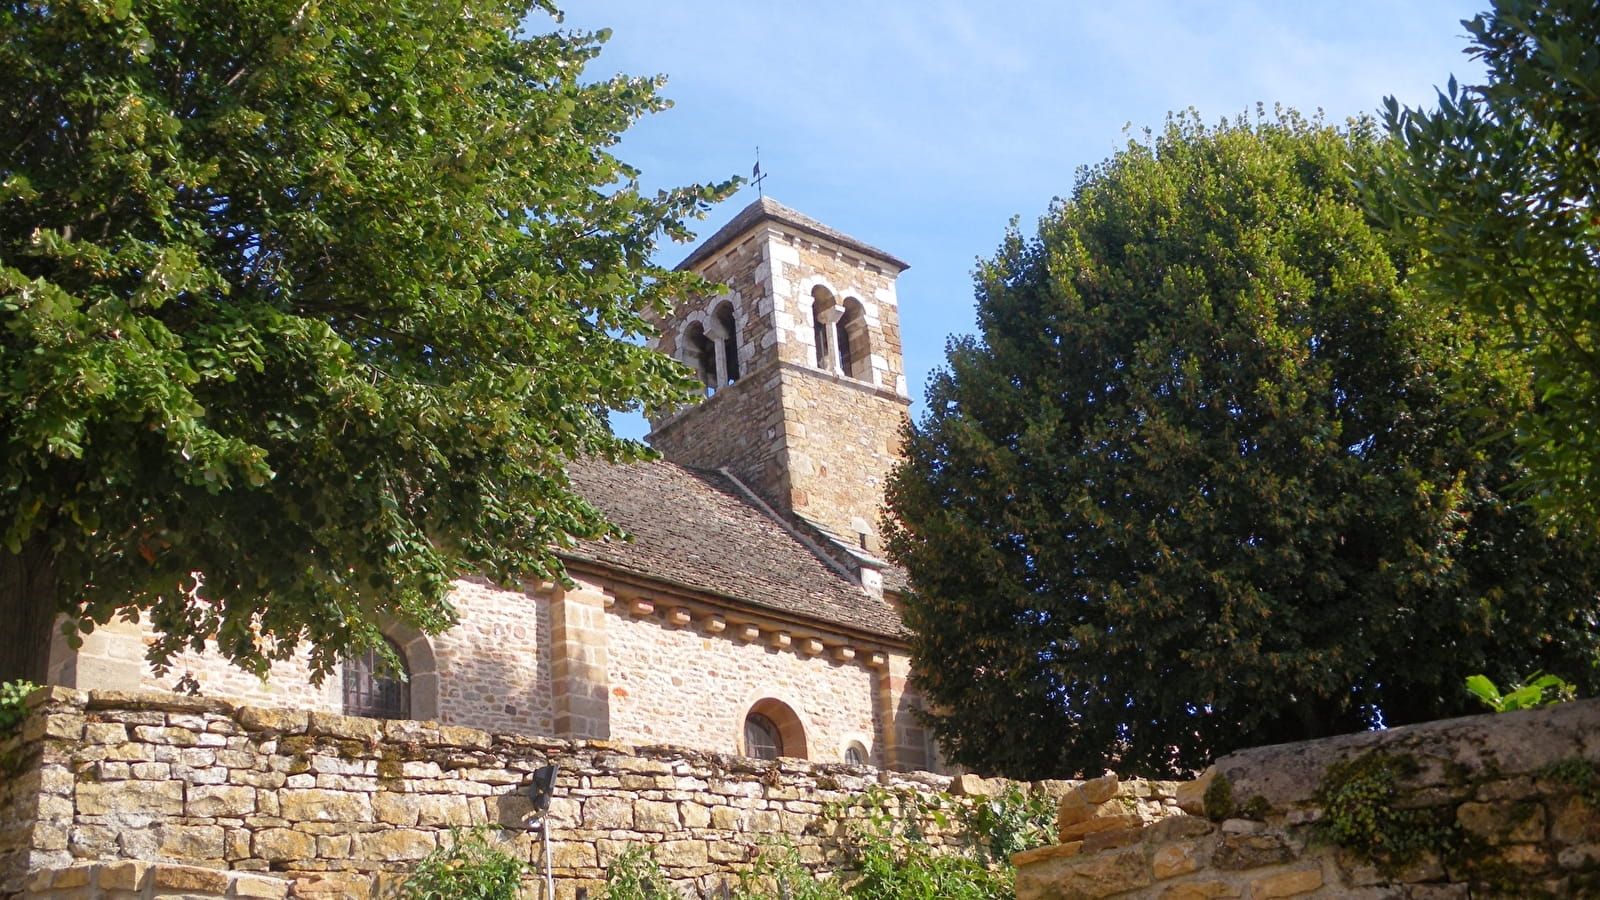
[752, 613]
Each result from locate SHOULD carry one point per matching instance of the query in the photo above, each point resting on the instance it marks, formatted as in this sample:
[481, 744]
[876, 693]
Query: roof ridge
[705, 529]
[788, 526]
[765, 208]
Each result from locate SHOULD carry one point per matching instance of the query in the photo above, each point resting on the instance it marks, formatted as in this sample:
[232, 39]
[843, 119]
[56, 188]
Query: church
[752, 612]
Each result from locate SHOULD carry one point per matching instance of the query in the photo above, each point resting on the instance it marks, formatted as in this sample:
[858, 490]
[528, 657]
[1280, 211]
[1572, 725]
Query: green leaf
[1213, 474]
[299, 278]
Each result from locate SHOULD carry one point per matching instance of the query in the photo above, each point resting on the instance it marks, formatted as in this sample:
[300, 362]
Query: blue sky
[924, 127]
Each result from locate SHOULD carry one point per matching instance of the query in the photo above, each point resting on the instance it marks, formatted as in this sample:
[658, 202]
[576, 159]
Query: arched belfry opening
[712, 348]
[802, 348]
[825, 313]
[839, 331]
[702, 353]
[728, 340]
[855, 352]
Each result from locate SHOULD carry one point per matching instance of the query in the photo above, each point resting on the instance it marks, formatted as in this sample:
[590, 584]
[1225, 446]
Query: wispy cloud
[924, 126]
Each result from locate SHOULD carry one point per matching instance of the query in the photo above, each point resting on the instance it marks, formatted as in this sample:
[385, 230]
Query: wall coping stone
[1287, 775]
[1507, 826]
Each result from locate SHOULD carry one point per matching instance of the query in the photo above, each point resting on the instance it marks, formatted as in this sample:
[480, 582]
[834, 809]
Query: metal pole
[549, 876]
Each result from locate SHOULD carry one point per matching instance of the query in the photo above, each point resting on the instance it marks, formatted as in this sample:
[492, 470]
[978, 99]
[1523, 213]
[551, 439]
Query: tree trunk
[28, 586]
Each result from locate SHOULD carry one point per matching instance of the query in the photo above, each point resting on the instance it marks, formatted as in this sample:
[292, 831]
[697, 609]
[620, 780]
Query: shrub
[635, 876]
[780, 874]
[888, 849]
[1009, 823]
[469, 868]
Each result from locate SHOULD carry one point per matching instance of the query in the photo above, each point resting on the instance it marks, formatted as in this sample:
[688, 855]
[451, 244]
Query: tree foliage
[1501, 187]
[1211, 477]
[302, 307]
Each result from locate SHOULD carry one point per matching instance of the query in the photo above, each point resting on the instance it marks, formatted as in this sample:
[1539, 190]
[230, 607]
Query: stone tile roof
[697, 529]
[766, 208]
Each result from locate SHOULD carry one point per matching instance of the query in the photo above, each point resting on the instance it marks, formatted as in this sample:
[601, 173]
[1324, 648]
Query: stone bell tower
[805, 386]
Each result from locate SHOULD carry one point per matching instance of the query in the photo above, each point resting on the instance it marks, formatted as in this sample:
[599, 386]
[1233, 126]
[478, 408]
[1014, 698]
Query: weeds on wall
[883, 835]
[470, 867]
[13, 695]
[1009, 823]
[1538, 689]
[895, 845]
[777, 874]
[1359, 798]
[1577, 773]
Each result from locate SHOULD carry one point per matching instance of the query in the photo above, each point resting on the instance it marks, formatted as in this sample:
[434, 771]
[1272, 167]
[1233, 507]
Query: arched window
[702, 355]
[824, 312]
[855, 754]
[761, 738]
[772, 729]
[375, 689]
[854, 352]
[840, 333]
[729, 341]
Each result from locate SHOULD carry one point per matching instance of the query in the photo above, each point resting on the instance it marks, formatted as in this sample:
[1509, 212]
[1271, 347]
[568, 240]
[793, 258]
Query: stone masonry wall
[843, 440]
[291, 804]
[20, 790]
[114, 655]
[807, 439]
[740, 428]
[659, 680]
[494, 668]
[490, 672]
[707, 683]
[810, 442]
[1484, 807]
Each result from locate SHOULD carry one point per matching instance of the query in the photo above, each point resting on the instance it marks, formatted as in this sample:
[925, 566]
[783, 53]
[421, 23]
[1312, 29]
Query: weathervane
[755, 174]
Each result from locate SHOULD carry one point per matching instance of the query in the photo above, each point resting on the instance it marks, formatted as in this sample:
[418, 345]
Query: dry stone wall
[135, 880]
[1490, 806]
[20, 790]
[161, 795]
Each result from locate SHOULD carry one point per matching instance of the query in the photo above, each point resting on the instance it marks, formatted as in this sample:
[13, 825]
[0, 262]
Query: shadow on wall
[915, 748]
[485, 673]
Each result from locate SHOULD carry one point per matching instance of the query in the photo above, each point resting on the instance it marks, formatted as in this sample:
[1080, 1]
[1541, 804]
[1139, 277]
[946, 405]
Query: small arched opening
[824, 313]
[729, 341]
[854, 351]
[772, 729]
[702, 355]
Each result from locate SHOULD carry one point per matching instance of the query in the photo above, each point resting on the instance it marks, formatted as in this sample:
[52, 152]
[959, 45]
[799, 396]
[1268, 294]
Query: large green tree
[1501, 187]
[1211, 477]
[303, 305]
